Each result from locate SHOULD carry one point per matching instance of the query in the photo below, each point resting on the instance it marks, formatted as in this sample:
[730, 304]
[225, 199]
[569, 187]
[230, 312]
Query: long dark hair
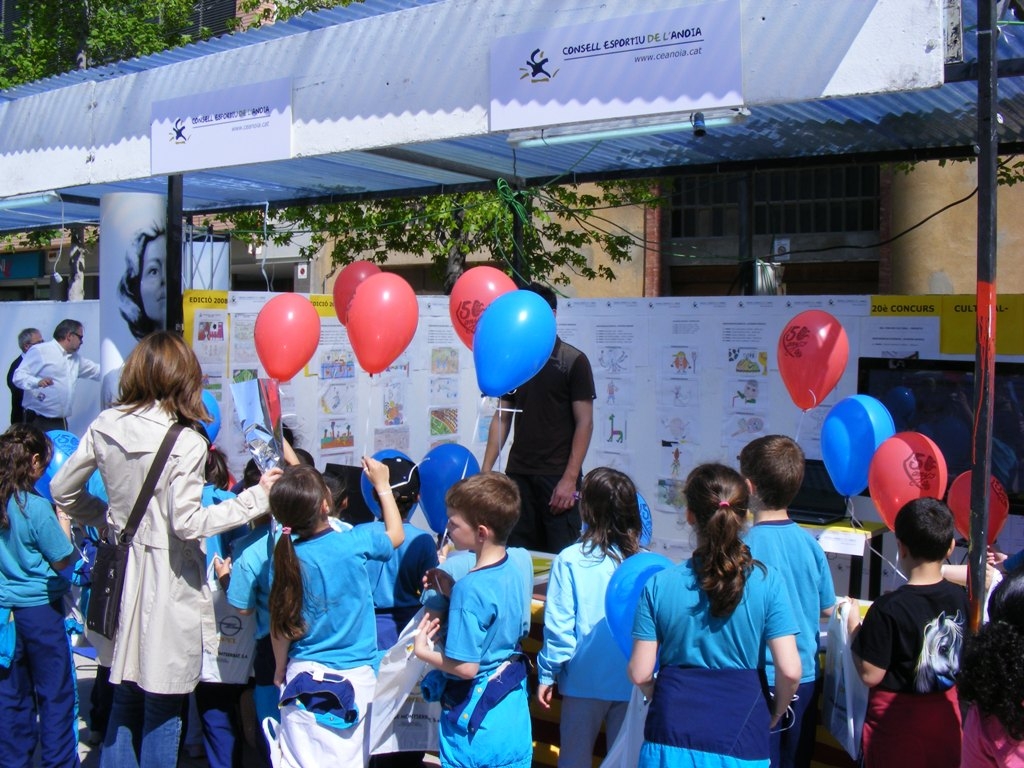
[717, 498]
[17, 447]
[296, 501]
[611, 512]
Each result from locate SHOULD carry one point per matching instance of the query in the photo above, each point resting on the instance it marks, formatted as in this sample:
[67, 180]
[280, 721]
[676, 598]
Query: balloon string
[367, 443]
[858, 524]
[501, 437]
[799, 426]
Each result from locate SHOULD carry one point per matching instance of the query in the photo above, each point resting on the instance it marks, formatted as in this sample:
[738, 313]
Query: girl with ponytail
[322, 623]
[708, 622]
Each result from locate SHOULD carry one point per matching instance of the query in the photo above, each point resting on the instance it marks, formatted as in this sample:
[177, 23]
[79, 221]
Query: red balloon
[472, 294]
[382, 320]
[813, 351]
[345, 286]
[959, 501]
[905, 467]
[287, 333]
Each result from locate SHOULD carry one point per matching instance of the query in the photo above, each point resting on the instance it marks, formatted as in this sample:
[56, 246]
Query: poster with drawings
[679, 381]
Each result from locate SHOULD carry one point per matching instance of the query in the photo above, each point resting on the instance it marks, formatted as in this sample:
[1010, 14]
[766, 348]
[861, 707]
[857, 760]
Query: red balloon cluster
[813, 352]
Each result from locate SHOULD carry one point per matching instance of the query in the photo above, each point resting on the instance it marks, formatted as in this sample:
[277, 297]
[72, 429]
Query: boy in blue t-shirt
[773, 466]
[485, 717]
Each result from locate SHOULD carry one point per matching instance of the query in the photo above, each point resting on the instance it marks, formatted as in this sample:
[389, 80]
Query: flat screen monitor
[936, 398]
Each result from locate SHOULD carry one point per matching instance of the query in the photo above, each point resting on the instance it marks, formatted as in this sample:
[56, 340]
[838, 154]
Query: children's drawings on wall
[613, 391]
[679, 393]
[337, 436]
[337, 364]
[679, 362]
[338, 399]
[394, 403]
[747, 360]
[613, 360]
[747, 395]
[444, 361]
[444, 390]
[444, 422]
[677, 459]
[613, 431]
[675, 427]
[670, 496]
[396, 439]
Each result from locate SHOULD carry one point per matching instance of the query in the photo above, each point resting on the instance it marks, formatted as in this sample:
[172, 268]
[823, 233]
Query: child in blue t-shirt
[37, 690]
[321, 619]
[485, 712]
[580, 652]
[397, 583]
[773, 465]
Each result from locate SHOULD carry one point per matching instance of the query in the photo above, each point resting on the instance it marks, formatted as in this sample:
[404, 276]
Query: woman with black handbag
[165, 614]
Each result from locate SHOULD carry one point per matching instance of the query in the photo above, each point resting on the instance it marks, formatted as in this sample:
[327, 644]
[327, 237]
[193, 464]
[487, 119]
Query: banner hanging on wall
[234, 126]
[677, 60]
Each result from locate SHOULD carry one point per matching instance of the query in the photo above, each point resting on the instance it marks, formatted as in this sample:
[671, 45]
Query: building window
[809, 201]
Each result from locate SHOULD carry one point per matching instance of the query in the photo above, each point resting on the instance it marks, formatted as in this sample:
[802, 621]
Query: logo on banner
[536, 68]
[178, 132]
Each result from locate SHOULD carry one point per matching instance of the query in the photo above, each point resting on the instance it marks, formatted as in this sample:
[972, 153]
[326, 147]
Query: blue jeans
[144, 729]
[794, 747]
[40, 681]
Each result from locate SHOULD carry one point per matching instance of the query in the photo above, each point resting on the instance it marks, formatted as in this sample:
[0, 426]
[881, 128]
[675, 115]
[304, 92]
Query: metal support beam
[175, 310]
[985, 356]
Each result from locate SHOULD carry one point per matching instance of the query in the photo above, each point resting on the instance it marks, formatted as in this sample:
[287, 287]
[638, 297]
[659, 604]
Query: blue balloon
[213, 428]
[646, 524]
[367, 487]
[513, 340]
[64, 444]
[442, 467]
[623, 595]
[850, 435]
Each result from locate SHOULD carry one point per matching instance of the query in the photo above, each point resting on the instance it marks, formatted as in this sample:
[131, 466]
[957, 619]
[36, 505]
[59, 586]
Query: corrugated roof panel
[297, 25]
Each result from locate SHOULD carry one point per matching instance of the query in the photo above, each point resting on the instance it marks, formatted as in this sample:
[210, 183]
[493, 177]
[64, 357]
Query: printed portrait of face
[153, 285]
[143, 287]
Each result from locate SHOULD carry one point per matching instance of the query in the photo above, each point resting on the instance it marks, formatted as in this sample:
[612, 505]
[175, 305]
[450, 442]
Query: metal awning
[444, 145]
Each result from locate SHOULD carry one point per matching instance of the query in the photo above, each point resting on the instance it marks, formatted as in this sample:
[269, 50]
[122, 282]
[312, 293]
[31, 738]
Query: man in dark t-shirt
[554, 421]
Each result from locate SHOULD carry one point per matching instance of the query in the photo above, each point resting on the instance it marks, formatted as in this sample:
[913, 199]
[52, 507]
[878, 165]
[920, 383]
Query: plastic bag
[402, 721]
[844, 699]
[625, 750]
[230, 660]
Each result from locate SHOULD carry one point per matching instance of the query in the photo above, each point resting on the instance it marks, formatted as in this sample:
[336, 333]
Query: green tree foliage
[561, 226]
[50, 37]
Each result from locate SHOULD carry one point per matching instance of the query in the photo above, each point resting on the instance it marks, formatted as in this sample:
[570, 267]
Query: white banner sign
[236, 126]
[676, 60]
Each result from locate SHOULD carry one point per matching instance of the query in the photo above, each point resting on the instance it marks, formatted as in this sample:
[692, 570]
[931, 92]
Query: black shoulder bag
[111, 563]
